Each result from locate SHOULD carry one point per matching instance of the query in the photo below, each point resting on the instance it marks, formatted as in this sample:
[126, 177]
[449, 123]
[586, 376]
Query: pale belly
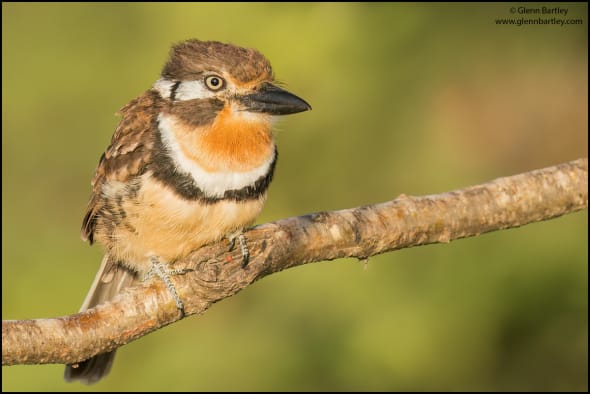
[159, 223]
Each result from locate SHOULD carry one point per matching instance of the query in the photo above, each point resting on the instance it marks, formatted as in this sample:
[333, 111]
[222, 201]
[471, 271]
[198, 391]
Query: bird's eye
[214, 82]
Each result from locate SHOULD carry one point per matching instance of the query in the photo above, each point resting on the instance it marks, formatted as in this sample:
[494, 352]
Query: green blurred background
[407, 98]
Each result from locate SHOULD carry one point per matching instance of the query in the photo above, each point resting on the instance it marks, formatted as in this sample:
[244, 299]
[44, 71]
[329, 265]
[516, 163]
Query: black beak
[273, 100]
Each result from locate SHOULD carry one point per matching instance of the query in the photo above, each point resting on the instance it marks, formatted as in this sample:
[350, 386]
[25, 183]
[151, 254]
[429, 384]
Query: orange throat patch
[235, 142]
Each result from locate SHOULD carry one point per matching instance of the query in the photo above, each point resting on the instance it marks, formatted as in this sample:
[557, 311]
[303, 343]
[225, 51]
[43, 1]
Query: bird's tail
[109, 281]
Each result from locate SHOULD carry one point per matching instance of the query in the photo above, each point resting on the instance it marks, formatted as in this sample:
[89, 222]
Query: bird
[189, 163]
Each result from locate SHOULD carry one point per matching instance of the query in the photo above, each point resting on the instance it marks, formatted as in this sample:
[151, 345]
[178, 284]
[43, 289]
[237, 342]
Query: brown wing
[128, 154]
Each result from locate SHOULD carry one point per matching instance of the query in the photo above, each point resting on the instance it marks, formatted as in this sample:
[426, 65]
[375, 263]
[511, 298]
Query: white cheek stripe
[190, 90]
[163, 86]
[213, 184]
[186, 90]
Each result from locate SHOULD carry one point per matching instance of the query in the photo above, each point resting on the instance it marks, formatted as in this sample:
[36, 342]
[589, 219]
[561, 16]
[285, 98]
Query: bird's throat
[235, 142]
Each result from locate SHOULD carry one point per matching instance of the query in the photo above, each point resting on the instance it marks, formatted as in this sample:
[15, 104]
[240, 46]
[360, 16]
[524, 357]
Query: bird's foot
[239, 236]
[163, 271]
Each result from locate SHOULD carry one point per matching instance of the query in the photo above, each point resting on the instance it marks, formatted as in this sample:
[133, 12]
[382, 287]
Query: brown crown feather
[190, 59]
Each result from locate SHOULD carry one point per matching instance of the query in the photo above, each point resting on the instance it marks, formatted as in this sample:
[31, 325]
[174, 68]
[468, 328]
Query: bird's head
[203, 79]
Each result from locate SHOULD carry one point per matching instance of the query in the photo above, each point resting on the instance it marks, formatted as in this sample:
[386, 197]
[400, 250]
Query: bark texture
[214, 273]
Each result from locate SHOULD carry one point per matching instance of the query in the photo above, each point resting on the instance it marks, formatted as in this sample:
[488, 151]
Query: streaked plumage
[189, 163]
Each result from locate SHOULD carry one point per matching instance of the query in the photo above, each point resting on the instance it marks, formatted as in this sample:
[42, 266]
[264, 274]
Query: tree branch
[359, 232]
